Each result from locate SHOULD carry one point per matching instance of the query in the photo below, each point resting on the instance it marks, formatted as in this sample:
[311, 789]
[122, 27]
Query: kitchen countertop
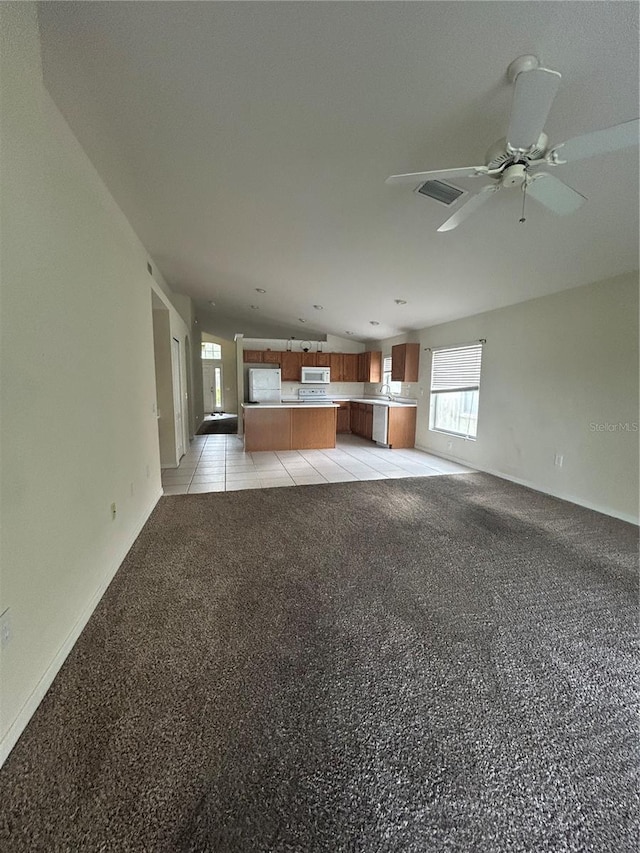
[294, 403]
[290, 404]
[390, 404]
[375, 401]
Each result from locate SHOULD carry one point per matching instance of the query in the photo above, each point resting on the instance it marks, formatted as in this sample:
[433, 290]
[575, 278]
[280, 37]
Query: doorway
[176, 376]
[212, 387]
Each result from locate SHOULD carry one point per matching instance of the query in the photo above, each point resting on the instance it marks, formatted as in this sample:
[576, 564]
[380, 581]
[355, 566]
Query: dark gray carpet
[438, 664]
[219, 426]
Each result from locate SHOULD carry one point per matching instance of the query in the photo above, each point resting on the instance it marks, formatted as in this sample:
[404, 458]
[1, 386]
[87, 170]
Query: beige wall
[555, 371]
[78, 419]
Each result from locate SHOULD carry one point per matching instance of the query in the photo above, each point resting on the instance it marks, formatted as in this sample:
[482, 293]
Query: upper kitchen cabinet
[290, 364]
[252, 356]
[337, 366]
[308, 359]
[350, 367]
[270, 356]
[405, 359]
[370, 367]
[323, 359]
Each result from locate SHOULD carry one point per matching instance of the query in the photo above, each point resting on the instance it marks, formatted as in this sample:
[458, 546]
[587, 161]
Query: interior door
[176, 376]
[208, 386]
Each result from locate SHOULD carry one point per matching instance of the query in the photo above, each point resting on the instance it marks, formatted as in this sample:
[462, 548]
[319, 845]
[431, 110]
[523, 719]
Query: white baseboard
[605, 510]
[29, 708]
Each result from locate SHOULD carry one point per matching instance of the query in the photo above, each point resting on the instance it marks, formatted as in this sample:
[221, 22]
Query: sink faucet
[388, 387]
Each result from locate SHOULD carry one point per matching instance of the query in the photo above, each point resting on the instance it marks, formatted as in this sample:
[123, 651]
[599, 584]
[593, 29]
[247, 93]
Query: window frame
[216, 348]
[394, 387]
[471, 387]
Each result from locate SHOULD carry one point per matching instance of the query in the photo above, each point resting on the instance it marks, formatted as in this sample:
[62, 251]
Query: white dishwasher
[380, 424]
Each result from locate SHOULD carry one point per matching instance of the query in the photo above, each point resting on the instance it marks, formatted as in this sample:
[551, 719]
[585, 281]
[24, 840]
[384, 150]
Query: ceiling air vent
[438, 190]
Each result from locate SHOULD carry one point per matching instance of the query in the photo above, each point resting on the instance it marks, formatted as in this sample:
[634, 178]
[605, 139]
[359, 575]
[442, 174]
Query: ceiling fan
[519, 159]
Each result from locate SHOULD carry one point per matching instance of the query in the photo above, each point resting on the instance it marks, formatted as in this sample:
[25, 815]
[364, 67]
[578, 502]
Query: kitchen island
[289, 426]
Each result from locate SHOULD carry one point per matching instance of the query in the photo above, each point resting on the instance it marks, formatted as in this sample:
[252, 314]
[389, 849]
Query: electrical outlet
[5, 628]
[558, 460]
[113, 510]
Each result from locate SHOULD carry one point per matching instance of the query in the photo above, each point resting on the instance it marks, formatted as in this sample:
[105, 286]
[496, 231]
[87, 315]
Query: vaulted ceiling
[248, 144]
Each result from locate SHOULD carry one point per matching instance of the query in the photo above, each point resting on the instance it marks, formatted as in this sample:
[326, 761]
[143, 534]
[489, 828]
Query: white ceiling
[248, 144]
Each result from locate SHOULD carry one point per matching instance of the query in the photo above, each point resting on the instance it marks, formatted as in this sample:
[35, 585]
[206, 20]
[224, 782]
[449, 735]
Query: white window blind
[456, 368]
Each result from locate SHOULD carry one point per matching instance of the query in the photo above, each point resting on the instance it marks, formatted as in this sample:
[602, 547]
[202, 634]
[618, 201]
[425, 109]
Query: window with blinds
[455, 389]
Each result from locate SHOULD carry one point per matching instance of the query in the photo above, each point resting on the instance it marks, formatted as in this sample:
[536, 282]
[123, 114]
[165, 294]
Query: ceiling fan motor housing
[514, 176]
[498, 155]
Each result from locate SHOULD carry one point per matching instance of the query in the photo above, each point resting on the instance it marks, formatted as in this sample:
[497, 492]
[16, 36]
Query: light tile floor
[218, 463]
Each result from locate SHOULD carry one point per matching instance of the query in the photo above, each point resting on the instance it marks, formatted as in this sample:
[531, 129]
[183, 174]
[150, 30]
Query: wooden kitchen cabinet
[313, 428]
[362, 419]
[368, 422]
[323, 359]
[350, 367]
[253, 356]
[404, 362]
[290, 365]
[370, 367]
[344, 417]
[271, 357]
[267, 429]
[337, 366]
[308, 359]
[402, 426]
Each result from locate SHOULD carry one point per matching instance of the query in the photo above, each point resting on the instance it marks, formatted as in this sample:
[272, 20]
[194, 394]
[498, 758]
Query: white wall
[553, 369]
[78, 418]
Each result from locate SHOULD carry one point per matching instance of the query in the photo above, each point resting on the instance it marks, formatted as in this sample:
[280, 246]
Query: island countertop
[291, 404]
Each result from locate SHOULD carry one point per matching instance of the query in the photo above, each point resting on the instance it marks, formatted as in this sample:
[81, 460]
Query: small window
[394, 387]
[455, 390]
[211, 351]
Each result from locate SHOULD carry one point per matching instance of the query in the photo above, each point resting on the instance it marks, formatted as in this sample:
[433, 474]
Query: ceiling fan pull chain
[524, 197]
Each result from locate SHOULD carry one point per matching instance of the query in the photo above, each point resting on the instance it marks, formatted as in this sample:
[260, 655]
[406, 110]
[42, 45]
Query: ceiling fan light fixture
[318, 307]
[300, 320]
[374, 322]
[260, 290]
[400, 301]
[255, 307]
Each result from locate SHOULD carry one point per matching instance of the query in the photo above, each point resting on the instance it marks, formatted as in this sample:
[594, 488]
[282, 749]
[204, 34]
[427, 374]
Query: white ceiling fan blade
[467, 209]
[532, 99]
[439, 174]
[554, 194]
[598, 142]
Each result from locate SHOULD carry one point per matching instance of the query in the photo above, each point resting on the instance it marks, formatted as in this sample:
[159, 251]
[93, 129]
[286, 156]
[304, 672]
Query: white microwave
[315, 375]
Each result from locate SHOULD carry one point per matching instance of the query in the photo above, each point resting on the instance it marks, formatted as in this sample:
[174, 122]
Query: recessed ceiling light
[318, 307]
[255, 307]
[374, 322]
[400, 301]
[260, 290]
[301, 320]
[211, 302]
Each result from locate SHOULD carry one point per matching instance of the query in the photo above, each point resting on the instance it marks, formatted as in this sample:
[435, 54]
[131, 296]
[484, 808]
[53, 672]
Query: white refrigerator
[264, 386]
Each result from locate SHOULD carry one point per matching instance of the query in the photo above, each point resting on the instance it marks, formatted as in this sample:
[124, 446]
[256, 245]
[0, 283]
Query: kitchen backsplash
[409, 390]
[347, 389]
